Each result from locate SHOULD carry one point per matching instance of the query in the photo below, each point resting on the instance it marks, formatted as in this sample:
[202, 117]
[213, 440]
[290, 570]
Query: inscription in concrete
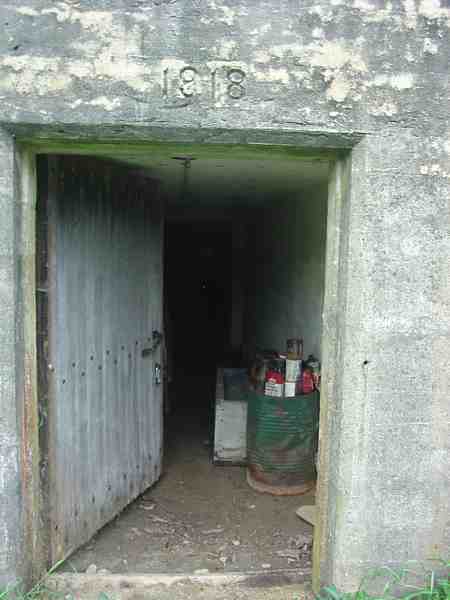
[190, 81]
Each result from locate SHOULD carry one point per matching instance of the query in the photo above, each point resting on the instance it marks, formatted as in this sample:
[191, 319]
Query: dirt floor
[199, 518]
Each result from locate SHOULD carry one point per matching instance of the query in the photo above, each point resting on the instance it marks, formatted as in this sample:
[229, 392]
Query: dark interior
[197, 320]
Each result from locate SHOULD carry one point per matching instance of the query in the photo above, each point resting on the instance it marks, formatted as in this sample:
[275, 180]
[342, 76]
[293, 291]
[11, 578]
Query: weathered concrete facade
[366, 76]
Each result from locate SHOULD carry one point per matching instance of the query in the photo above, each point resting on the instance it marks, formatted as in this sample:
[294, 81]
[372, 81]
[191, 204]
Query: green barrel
[282, 438]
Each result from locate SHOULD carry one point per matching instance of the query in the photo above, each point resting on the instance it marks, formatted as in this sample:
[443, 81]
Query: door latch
[157, 376]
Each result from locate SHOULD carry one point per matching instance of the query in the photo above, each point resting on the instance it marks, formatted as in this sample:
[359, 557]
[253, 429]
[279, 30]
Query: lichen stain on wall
[333, 58]
[37, 75]
[386, 109]
[339, 65]
[27, 11]
[113, 53]
[434, 169]
[402, 13]
[398, 81]
[339, 88]
[433, 9]
[97, 21]
[226, 14]
[226, 50]
[109, 49]
[106, 103]
[280, 74]
[343, 68]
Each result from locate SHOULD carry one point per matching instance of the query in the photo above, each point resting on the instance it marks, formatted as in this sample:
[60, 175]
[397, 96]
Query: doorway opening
[243, 255]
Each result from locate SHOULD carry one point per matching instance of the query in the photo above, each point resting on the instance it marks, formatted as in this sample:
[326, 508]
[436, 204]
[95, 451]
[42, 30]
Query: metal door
[104, 323]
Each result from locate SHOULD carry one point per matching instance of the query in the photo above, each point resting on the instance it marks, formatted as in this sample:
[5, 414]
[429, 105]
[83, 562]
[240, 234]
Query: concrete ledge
[183, 585]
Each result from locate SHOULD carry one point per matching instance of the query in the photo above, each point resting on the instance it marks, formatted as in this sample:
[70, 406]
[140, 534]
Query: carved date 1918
[187, 82]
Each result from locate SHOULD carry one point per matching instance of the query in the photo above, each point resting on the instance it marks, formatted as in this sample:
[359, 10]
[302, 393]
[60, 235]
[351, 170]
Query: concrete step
[265, 585]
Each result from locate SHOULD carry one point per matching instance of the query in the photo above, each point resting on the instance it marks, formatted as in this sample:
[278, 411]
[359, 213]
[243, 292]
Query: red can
[307, 381]
[275, 377]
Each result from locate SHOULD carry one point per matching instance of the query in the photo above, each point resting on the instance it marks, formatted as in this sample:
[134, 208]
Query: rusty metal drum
[282, 436]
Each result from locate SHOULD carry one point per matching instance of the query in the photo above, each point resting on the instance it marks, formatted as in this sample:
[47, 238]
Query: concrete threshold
[279, 584]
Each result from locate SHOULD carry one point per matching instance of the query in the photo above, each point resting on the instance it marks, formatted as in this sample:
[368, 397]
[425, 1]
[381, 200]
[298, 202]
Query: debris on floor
[213, 523]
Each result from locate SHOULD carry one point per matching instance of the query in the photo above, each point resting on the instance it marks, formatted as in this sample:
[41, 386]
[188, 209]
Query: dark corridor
[197, 291]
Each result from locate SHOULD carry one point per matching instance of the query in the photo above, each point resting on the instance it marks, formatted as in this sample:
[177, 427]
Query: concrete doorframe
[335, 276]
[30, 551]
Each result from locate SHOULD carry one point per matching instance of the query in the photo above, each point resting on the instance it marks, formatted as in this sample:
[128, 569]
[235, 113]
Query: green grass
[38, 592]
[396, 584]
[41, 591]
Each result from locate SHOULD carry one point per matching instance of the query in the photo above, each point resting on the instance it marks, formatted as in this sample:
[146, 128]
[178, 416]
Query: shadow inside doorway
[200, 517]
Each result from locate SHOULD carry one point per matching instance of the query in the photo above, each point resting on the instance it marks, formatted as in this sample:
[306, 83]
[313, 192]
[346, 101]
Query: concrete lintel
[301, 138]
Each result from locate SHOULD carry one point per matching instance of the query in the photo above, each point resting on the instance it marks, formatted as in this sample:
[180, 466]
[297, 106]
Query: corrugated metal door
[105, 301]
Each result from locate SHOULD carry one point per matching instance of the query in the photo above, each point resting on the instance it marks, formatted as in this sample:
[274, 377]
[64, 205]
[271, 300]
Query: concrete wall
[10, 513]
[387, 401]
[286, 272]
[21, 555]
[368, 77]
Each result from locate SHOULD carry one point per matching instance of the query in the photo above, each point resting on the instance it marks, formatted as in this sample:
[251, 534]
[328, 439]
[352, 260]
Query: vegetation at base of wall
[43, 593]
[38, 592]
[396, 585]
